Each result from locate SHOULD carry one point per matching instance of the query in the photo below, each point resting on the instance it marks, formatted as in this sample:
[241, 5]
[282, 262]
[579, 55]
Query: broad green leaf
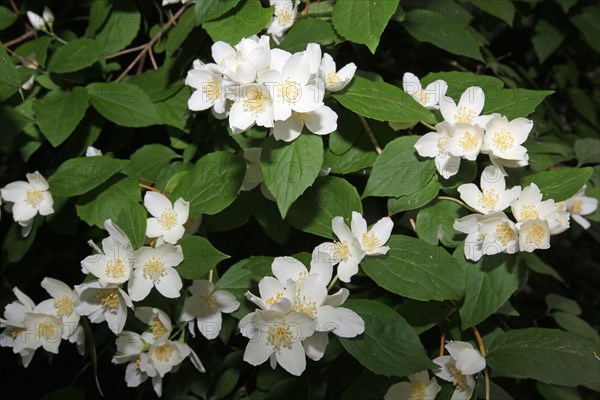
[442, 31]
[424, 315]
[328, 198]
[244, 274]
[587, 24]
[416, 269]
[398, 170]
[148, 161]
[108, 201]
[503, 9]
[174, 111]
[489, 284]
[514, 103]
[7, 18]
[58, 113]
[290, 168]
[120, 28]
[199, 257]
[208, 10]
[80, 175]
[309, 30]
[415, 200]
[132, 219]
[180, 32]
[389, 346]
[159, 84]
[546, 39]
[555, 392]
[547, 355]
[558, 302]
[267, 214]
[458, 82]
[36, 49]
[14, 245]
[573, 323]
[435, 223]
[123, 103]
[9, 78]
[363, 21]
[383, 102]
[212, 184]
[235, 215]
[559, 185]
[99, 12]
[536, 264]
[246, 19]
[74, 56]
[587, 151]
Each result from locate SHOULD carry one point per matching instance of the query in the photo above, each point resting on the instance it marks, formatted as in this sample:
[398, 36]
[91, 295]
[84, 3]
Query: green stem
[457, 202]
[427, 125]
[335, 278]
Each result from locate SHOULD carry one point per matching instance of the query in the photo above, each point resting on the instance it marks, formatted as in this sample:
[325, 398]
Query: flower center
[114, 268]
[305, 305]
[333, 79]
[422, 97]
[211, 90]
[468, 141]
[63, 306]
[535, 235]
[489, 198]
[17, 331]
[464, 114]
[33, 197]
[341, 250]
[529, 211]
[163, 352]
[369, 241]
[157, 328]
[46, 330]
[416, 390]
[577, 206]
[289, 91]
[441, 143]
[504, 233]
[284, 16]
[274, 299]
[208, 304]
[279, 336]
[254, 101]
[301, 118]
[504, 139]
[137, 364]
[109, 298]
[168, 219]
[458, 379]
[154, 269]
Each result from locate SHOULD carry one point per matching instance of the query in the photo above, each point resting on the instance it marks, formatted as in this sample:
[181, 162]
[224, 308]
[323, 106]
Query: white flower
[347, 252]
[114, 264]
[529, 206]
[91, 151]
[288, 268]
[205, 306]
[37, 21]
[208, 92]
[459, 367]
[154, 268]
[468, 110]
[40, 330]
[487, 234]
[335, 80]
[158, 321]
[13, 322]
[580, 205]
[28, 198]
[493, 195]
[372, 241]
[167, 219]
[429, 97]
[103, 303]
[285, 14]
[466, 141]
[277, 336]
[322, 121]
[240, 64]
[434, 145]
[252, 105]
[534, 234]
[503, 140]
[419, 387]
[130, 346]
[48, 17]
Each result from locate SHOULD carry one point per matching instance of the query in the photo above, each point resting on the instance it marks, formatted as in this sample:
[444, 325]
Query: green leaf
[290, 168]
[199, 257]
[208, 10]
[123, 103]
[7, 18]
[587, 151]
[74, 56]
[309, 30]
[184, 27]
[536, 264]
[559, 185]
[212, 184]
[36, 49]
[267, 214]
[587, 23]
[99, 12]
[503, 9]
[415, 200]
[514, 103]
[435, 223]
[383, 102]
[174, 111]
[148, 161]
[80, 175]
[9, 78]
[416, 269]
[328, 198]
[573, 323]
[547, 355]
[132, 219]
[15, 246]
[546, 39]
[566, 4]
[398, 170]
[120, 28]
[363, 21]
[458, 82]
[424, 315]
[245, 20]
[443, 32]
[108, 201]
[389, 346]
[59, 113]
[558, 302]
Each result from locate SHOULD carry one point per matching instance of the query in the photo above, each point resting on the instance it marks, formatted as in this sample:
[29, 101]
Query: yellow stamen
[63, 306]
[464, 114]
[333, 79]
[458, 379]
[503, 139]
[109, 298]
[33, 197]
[115, 268]
[301, 118]
[529, 211]
[369, 241]
[280, 336]
[163, 352]
[534, 235]
[211, 90]
[154, 269]
[577, 206]
[416, 390]
[274, 299]
[157, 328]
[254, 101]
[341, 250]
[168, 219]
[468, 141]
[46, 330]
[489, 198]
[208, 304]
[305, 305]
[504, 233]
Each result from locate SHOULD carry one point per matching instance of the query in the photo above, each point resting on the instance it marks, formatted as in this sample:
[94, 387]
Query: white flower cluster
[492, 232]
[460, 368]
[465, 133]
[41, 23]
[27, 199]
[285, 15]
[252, 84]
[296, 314]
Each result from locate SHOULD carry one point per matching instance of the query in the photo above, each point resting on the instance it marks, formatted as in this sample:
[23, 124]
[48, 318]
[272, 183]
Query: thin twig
[442, 339]
[367, 128]
[151, 43]
[152, 189]
[485, 371]
[305, 12]
[126, 51]
[24, 36]
[140, 66]
[412, 224]
[14, 6]
[152, 60]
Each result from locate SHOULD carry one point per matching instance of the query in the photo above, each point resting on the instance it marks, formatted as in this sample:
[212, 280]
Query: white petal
[347, 269]
[351, 324]
[138, 286]
[257, 351]
[410, 83]
[226, 301]
[170, 284]
[210, 325]
[23, 211]
[156, 203]
[427, 145]
[323, 121]
[56, 288]
[292, 359]
[315, 345]
[358, 224]
[341, 230]
[287, 130]
[470, 362]
[285, 268]
[15, 191]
